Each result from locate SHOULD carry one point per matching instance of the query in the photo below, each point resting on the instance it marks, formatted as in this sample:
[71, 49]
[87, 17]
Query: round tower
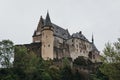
[47, 39]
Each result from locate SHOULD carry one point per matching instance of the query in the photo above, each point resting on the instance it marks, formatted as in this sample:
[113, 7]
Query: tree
[6, 53]
[46, 76]
[81, 61]
[98, 76]
[54, 72]
[66, 71]
[25, 62]
[77, 75]
[111, 61]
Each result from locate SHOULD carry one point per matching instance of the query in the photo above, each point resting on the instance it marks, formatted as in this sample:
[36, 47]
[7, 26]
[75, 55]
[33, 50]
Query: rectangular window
[49, 45]
[72, 40]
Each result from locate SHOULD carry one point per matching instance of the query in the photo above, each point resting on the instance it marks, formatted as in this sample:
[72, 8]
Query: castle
[51, 41]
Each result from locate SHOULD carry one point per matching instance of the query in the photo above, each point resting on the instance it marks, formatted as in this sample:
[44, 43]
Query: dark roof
[47, 20]
[60, 32]
[41, 21]
[79, 36]
[94, 47]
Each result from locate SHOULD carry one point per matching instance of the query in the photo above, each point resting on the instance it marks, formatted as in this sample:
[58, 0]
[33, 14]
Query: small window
[77, 45]
[77, 50]
[72, 44]
[72, 40]
[49, 45]
[93, 56]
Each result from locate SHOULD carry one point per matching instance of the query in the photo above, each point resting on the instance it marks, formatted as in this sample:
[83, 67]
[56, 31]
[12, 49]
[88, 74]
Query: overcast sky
[19, 18]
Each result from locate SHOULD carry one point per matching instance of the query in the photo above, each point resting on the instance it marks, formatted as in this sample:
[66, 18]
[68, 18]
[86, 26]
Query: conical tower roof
[47, 20]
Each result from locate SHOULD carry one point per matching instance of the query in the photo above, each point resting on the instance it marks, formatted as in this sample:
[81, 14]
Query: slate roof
[94, 47]
[47, 21]
[60, 32]
[64, 33]
[79, 36]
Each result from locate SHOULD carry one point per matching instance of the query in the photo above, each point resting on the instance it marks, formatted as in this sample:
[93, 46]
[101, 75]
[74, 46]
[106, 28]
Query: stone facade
[56, 42]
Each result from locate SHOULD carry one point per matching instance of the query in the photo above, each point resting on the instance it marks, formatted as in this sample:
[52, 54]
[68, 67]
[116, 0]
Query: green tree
[77, 75]
[98, 76]
[46, 76]
[25, 62]
[66, 70]
[66, 73]
[111, 61]
[81, 61]
[6, 53]
[54, 72]
[8, 74]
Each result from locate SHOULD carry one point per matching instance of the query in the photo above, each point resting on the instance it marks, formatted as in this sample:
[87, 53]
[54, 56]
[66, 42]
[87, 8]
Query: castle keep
[51, 41]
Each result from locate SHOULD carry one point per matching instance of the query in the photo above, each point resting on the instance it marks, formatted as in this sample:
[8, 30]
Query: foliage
[46, 76]
[7, 74]
[66, 62]
[28, 66]
[111, 61]
[54, 73]
[6, 53]
[77, 75]
[81, 61]
[98, 76]
[66, 73]
[25, 61]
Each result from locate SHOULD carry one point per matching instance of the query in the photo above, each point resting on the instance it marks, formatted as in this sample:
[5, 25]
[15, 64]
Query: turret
[37, 33]
[40, 24]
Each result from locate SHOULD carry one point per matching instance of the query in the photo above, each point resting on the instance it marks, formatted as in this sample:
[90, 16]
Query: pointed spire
[41, 23]
[92, 38]
[47, 20]
[41, 20]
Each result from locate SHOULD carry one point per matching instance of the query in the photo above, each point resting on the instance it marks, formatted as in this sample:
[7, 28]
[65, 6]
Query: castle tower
[47, 39]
